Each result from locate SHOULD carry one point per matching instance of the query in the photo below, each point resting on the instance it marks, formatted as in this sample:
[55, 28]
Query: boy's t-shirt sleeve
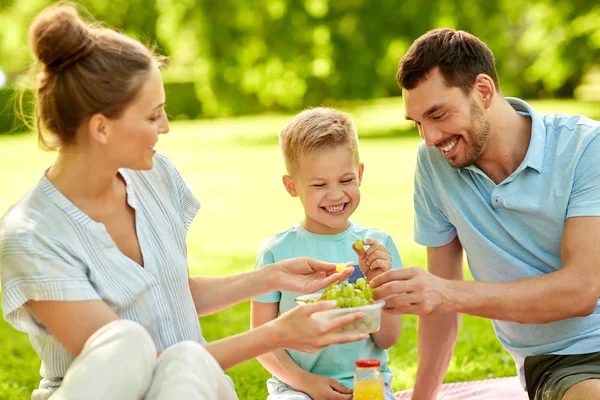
[31, 272]
[396, 260]
[431, 226]
[264, 258]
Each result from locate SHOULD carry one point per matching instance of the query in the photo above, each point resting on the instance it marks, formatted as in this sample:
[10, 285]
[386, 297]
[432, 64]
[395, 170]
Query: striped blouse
[51, 250]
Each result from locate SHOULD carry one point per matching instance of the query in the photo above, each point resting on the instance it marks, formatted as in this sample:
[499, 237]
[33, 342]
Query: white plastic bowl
[370, 323]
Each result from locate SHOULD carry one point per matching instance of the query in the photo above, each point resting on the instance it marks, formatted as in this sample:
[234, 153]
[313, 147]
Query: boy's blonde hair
[316, 129]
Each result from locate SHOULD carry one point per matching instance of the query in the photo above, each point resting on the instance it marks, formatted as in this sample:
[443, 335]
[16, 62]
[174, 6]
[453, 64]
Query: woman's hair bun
[59, 37]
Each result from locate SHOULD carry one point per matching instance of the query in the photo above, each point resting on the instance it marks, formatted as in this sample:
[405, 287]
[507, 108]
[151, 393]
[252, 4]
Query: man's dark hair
[459, 56]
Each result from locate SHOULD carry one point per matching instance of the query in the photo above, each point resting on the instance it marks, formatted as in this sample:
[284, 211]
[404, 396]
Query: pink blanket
[489, 389]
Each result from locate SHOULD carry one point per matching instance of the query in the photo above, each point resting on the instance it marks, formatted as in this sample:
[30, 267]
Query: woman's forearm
[215, 293]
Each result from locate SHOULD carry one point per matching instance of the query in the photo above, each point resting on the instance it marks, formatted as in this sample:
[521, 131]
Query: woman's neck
[83, 178]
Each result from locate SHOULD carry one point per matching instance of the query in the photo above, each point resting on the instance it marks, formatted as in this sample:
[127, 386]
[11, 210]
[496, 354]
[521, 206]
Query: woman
[93, 259]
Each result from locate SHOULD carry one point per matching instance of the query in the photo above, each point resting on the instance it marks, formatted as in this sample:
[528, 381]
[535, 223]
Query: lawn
[234, 168]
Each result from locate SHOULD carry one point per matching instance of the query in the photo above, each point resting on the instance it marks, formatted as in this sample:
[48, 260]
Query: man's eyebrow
[433, 109]
[429, 111]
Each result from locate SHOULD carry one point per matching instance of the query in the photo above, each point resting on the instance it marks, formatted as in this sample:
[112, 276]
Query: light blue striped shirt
[51, 250]
[514, 230]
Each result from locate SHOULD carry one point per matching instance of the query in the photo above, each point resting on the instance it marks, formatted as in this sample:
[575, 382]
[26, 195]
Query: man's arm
[437, 333]
[572, 291]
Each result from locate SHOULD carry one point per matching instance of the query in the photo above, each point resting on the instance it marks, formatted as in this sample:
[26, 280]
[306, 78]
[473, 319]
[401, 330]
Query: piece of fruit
[361, 283]
[340, 267]
[359, 244]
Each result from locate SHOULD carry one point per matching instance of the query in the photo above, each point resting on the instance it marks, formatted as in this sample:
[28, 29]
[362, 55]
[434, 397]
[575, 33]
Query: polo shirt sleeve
[585, 194]
[431, 226]
[265, 257]
[34, 270]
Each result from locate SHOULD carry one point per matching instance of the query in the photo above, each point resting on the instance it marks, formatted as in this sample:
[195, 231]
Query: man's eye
[437, 117]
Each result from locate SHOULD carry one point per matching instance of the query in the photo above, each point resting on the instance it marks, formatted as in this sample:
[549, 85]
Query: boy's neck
[320, 229]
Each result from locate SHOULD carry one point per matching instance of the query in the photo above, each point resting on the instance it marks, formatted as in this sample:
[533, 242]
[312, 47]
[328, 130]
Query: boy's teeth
[335, 209]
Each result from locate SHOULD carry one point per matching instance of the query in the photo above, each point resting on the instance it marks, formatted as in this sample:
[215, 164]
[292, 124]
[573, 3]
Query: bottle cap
[367, 363]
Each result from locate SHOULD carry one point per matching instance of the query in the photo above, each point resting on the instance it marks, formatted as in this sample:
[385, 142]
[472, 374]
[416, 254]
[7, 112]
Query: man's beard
[480, 132]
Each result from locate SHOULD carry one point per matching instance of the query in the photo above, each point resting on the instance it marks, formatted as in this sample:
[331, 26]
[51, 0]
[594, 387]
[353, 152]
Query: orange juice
[371, 389]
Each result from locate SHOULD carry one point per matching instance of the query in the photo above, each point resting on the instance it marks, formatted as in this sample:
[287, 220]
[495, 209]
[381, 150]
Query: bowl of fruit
[351, 298]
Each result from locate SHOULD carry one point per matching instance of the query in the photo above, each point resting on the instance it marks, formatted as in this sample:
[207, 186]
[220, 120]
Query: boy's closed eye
[347, 180]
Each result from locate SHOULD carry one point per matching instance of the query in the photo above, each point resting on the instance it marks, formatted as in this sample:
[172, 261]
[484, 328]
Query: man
[520, 193]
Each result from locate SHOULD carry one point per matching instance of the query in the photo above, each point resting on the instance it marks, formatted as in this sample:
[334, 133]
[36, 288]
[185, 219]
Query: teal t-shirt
[335, 361]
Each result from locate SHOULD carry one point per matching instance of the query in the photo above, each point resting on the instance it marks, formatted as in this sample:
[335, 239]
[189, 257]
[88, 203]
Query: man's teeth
[335, 209]
[450, 145]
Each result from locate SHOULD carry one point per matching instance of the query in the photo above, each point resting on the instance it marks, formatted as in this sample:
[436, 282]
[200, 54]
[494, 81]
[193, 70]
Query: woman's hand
[298, 330]
[304, 275]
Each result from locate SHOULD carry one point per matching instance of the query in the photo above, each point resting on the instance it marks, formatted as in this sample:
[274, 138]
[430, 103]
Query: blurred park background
[240, 69]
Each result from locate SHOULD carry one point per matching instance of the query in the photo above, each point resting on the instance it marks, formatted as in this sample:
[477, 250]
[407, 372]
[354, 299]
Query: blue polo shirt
[513, 230]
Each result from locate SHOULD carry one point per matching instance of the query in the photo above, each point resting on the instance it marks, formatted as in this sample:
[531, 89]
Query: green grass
[234, 168]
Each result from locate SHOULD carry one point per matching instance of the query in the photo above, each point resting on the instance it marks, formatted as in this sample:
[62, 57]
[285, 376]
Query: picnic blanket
[489, 389]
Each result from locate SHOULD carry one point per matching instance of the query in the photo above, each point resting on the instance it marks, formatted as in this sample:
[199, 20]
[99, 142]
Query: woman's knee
[126, 340]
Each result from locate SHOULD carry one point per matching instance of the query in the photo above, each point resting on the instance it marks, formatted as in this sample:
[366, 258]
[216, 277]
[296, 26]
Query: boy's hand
[325, 388]
[373, 261]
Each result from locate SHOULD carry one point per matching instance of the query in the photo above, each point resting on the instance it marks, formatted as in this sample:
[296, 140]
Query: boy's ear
[98, 128]
[361, 168]
[290, 186]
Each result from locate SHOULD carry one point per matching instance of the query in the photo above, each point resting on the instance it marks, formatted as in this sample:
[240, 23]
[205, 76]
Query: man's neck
[508, 143]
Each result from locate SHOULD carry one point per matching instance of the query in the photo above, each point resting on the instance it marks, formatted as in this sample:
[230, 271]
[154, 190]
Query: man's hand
[304, 275]
[411, 291]
[373, 261]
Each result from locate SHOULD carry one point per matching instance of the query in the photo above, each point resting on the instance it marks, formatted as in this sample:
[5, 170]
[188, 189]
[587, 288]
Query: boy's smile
[327, 182]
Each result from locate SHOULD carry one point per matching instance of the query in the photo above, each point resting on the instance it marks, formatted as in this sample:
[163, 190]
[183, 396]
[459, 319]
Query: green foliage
[11, 120]
[246, 56]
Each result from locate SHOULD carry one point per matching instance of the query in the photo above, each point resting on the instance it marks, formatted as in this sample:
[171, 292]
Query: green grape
[368, 293]
[361, 283]
[348, 289]
[330, 295]
[356, 302]
[340, 302]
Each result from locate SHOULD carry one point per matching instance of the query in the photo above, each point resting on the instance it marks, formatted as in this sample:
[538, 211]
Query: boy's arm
[389, 331]
[278, 362]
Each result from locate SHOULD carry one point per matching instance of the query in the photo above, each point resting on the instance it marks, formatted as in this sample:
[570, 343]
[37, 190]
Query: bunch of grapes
[350, 295]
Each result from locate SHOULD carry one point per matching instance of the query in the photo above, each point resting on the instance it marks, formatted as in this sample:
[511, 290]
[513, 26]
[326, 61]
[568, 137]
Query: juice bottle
[368, 383]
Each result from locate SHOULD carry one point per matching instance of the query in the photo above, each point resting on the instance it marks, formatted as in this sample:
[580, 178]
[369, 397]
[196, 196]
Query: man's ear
[98, 128]
[485, 89]
[290, 186]
[361, 168]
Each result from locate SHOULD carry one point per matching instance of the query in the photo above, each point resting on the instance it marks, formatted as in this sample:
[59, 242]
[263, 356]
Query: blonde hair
[84, 70]
[316, 129]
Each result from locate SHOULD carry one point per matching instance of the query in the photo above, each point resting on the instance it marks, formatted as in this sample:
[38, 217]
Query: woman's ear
[98, 128]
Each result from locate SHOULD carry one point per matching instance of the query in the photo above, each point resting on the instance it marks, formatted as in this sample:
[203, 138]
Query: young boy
[320, 149]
